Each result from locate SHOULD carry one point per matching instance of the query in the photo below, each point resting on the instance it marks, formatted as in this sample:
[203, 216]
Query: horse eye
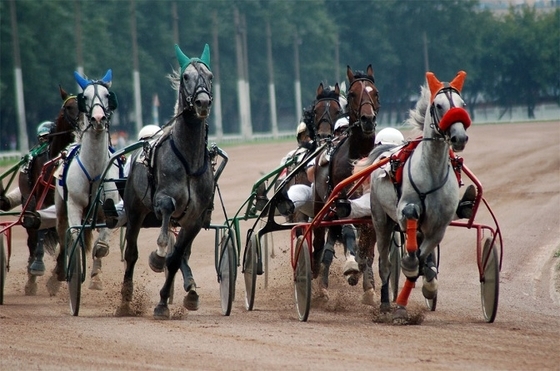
[439, 106]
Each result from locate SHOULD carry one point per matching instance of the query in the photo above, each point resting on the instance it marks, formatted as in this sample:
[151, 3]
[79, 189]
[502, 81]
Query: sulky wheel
[227, 274]
[250, 265]
[74, 275]
[395, 254]
[302, 278]
[3, 268]
[490, 281]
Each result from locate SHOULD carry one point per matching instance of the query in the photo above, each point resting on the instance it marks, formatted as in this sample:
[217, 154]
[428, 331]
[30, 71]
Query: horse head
[96, 102]
[195, 86]
[363, 100]
[69, 112]
[326, 110]
[449, 119]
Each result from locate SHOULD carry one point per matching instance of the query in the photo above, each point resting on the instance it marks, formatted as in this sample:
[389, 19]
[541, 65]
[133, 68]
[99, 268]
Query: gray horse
[173, 181]
[429, 192]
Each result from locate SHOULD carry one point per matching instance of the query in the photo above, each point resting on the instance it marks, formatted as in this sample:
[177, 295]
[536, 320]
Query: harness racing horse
[363, 106]
[37, 239]
[429, 193]
[175, 183]
[317, 126]
[84, 165]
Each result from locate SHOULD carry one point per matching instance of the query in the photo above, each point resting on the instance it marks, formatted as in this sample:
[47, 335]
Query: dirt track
[519, 167]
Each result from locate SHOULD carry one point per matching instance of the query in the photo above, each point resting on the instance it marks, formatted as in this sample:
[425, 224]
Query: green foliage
[510, 59]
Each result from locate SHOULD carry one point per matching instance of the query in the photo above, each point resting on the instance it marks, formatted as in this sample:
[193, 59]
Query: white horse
[429, 193]
[78, 189]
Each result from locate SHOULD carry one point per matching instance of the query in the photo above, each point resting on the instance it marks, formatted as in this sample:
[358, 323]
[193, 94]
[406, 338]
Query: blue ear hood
[85, 82]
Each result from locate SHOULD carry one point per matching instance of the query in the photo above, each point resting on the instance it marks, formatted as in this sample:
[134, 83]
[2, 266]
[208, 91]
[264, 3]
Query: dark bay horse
[32, 189]
[363, 106]
[175, 182]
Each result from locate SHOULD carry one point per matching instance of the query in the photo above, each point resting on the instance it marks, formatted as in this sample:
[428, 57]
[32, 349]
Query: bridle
[326, 115]
[97, 101]
[363, 102]
[202, 86]
[441, 124]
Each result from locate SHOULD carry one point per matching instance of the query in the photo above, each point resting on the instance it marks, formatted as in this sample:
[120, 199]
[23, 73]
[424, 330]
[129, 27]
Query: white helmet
[301, 128]
[148, 131]
[389, 136]
[341, 123]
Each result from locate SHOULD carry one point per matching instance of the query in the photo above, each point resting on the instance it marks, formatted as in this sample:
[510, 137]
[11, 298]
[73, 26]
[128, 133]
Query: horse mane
[328, 93]
[175, 79]
[308, 119]
[418, 114]
[362, 75]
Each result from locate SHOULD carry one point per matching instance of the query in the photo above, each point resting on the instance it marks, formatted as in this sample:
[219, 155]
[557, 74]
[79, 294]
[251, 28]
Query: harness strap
[200, 171]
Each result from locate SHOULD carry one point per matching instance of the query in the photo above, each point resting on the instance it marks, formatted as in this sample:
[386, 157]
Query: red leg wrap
[402, 299]
[411, 243]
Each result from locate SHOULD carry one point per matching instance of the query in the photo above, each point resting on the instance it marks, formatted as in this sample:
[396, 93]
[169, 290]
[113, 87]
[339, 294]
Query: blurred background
[268, 58]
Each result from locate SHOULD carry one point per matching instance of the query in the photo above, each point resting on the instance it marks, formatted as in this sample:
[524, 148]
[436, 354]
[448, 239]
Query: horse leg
[364, 258]
[164, 206]
[384, 234]
[326, 261]
[409, 263]
[37, 267]
[351, 269]
[100, 250]
[31, 284]
[429, 269]
[191, 300]
[318, 246]
[133, 226]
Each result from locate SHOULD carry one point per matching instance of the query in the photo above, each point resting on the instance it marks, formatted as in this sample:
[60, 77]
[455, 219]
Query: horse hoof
[156, 262]
[37, 268]
[100, 250]
[191, 301]
[351, 267]
[31, 288]
[161, 312]
[409, 266]
[429, 289]
[400, 316]
[353, 279]
[385, 307]
[95, 284]
[368, 297]
[53, 285]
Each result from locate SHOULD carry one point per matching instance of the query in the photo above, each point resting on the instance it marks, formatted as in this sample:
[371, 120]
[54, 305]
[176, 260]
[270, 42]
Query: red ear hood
[435, 85]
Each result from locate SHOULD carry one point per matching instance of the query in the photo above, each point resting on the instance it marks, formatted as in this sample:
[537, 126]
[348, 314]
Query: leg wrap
[411, 243]
[402, 299]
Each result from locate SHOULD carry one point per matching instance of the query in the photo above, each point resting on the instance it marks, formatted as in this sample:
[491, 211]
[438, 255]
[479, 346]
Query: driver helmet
[389, 136]
[341, 123]
[148, 131]
[44, 129]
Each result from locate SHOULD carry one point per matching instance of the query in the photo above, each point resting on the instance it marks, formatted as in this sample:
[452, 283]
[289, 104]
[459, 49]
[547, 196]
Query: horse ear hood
[108, 78]
[434, 85]
[183, 60]
[81, 81]
[458, 81]
[205, 57]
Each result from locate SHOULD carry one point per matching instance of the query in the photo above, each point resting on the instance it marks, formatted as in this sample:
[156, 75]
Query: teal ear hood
[184, 61]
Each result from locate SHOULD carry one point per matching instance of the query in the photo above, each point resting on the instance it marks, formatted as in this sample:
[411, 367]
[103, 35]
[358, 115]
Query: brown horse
[363, 106]
[319, 120]
[38, 194]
